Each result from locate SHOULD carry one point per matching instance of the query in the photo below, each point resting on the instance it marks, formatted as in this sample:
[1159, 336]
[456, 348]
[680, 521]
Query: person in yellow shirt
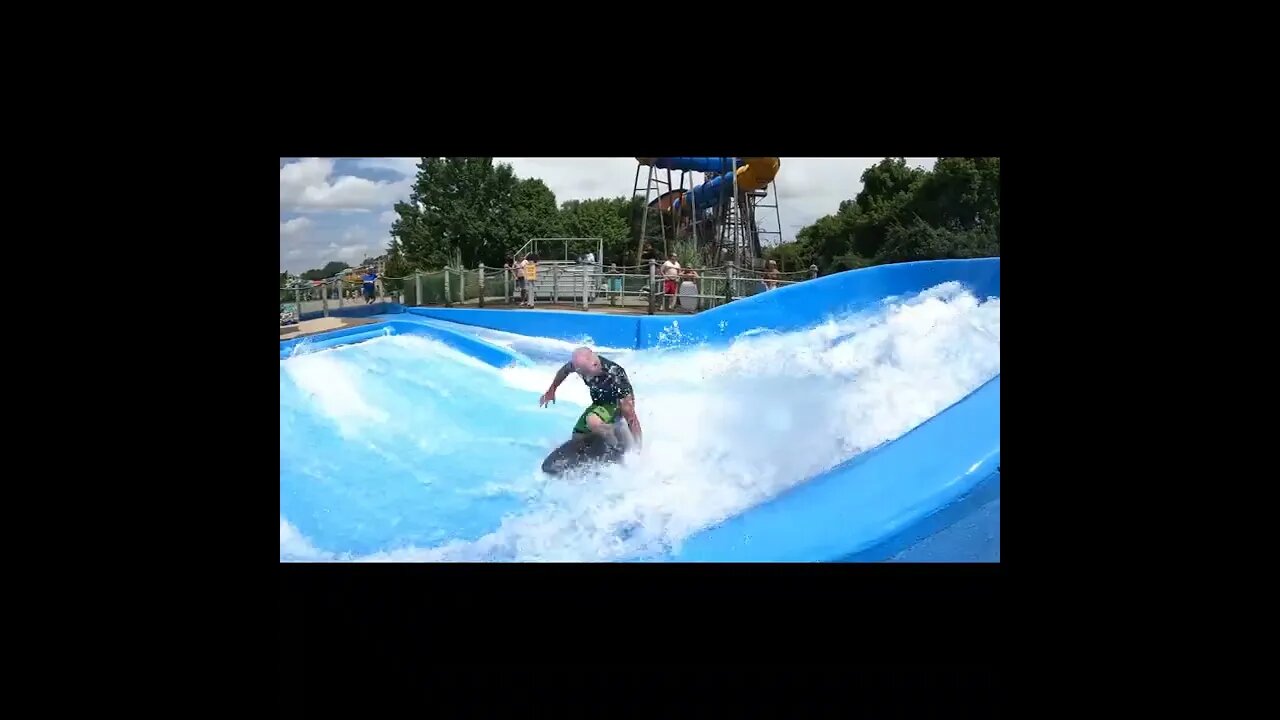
[530, 266]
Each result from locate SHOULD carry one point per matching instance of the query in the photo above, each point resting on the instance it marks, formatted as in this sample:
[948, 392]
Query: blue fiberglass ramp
[931, 494]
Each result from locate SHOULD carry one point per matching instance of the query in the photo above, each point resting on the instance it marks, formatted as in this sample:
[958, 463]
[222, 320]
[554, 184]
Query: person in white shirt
[670, 276]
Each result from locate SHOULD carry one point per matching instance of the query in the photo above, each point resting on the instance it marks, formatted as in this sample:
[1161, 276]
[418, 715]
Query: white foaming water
[295, 547]
[535, 348]
[724, 428]
[332, 384]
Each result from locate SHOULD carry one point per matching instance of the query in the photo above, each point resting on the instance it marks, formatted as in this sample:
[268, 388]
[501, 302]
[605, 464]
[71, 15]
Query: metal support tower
[732, 224]
[653, 189]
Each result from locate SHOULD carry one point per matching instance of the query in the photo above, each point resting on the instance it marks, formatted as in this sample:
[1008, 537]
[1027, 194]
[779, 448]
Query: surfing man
[595, 435]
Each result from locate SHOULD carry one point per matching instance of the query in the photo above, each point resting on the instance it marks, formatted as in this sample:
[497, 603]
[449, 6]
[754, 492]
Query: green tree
[396, 268]
[922, 241]
[458, 207]
[887, 187]
[953, 213]
[533, 214]
[905, 213]
[472, 209]
[605, 218]
[830, 236]
[960, 191]
[791, 256]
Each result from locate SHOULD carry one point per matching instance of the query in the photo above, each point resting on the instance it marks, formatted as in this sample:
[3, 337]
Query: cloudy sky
[340, 208]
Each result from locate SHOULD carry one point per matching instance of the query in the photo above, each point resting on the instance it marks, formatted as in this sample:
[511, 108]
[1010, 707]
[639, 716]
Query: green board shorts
[608, 412]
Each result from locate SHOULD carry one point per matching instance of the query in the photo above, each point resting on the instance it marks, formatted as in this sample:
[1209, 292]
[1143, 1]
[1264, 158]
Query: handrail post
[653, 282]
[480, 274]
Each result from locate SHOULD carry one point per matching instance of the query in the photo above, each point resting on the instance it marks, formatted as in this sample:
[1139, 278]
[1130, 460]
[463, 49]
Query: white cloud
[356, 232]
[295, 226]
[388, 217]
[349, 252]
[355, 244]
[305, 172]
[353, 253]
[306, 186]
[407, 167]
[578, 178]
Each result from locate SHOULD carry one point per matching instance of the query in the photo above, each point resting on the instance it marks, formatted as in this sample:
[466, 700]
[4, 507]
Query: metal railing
[536, 246]
[638, 288]
[327, 297]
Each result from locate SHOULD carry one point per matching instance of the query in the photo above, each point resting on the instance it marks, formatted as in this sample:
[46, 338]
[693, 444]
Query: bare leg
[603, 429]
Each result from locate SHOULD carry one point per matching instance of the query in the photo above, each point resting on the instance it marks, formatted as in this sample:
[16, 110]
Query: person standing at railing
[530, 267]
[615, 284]
[689, 282]
[771, 276]
[670, 275]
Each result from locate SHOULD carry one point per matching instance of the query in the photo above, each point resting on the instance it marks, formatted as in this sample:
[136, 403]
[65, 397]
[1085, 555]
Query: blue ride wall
[931, 495]
[353, 310]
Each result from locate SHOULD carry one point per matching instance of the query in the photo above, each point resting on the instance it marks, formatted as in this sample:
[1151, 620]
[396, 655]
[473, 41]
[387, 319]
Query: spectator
[689, 275]
[670, 274]
[615, 284]
[370, 277]
[771, 275]
[530, 266]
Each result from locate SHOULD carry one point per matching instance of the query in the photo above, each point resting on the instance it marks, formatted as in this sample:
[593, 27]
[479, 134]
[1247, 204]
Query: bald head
[585, 361]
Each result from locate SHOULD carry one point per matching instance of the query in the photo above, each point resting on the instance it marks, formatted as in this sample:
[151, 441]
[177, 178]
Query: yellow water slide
[757, 173]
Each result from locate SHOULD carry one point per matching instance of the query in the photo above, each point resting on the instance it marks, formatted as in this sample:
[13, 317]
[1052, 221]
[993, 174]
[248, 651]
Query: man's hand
[550, 395]
[627, 406]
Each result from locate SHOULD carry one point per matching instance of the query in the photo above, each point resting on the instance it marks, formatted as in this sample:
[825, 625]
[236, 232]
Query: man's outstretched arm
[550, 395]
[627, 406]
